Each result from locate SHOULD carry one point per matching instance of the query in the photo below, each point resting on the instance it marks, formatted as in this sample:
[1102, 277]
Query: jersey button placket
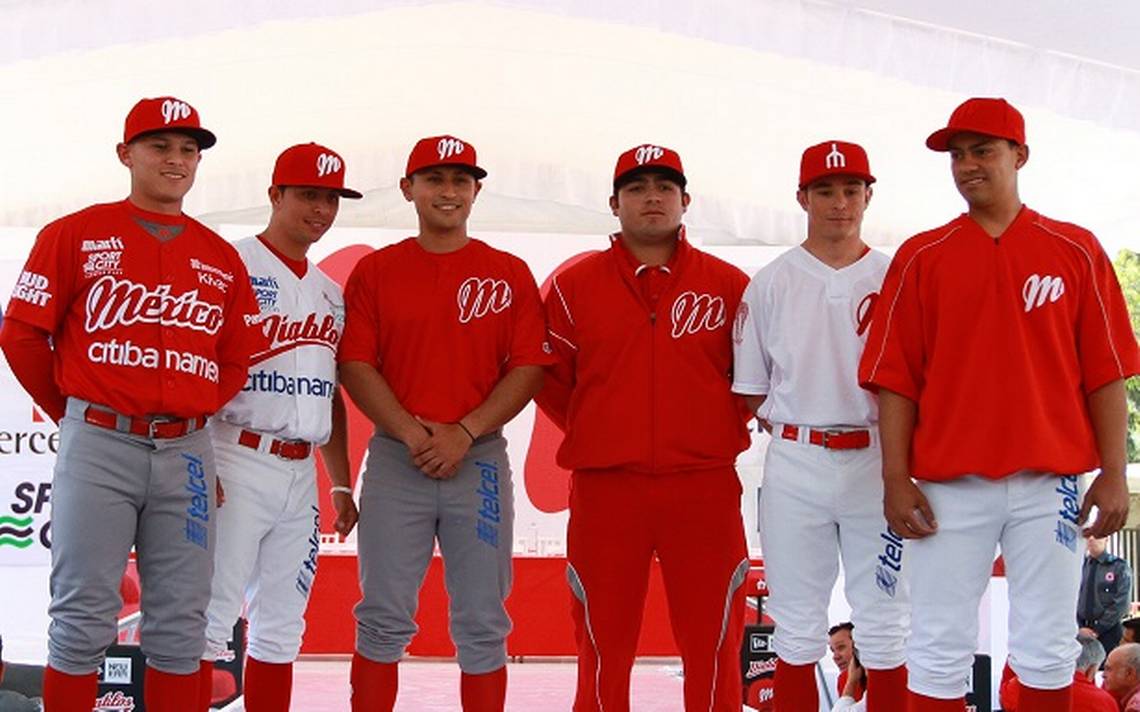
[166, 276]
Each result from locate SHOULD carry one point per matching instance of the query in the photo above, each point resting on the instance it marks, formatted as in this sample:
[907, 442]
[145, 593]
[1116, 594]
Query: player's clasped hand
[907, 511]
[346, 513]
[1109, 494]
[441, 453]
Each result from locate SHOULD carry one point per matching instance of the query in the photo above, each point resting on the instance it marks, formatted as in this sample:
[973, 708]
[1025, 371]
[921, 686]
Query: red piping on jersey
[1096, 290]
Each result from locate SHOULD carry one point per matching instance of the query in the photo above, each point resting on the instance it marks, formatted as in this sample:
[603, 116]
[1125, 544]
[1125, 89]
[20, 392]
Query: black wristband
[460, 424]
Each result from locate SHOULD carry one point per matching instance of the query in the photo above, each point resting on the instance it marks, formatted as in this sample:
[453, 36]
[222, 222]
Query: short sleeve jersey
[800, 331]
[443, 329]
[292, 373]
[146, 311]
[999, 342]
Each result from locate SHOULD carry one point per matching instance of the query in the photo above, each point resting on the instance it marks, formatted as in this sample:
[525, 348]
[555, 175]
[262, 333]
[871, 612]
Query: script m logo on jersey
[477, 297]
[694, 312]
[863, 313]
[115, 302]
[1037, 290]
[889, 568]
[739, 322]
[1068, 527]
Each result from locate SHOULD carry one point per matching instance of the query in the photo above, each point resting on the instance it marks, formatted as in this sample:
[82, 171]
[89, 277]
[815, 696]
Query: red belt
[153, 428]
[285, 449]
[831, 439]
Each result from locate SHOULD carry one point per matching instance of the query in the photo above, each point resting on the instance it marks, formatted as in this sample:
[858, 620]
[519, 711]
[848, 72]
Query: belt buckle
[827, 435]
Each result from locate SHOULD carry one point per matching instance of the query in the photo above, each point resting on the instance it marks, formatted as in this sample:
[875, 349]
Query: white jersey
[799, 334]
[292, 376]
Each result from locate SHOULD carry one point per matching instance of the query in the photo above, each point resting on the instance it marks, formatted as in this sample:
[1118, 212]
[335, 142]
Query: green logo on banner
[16, 532]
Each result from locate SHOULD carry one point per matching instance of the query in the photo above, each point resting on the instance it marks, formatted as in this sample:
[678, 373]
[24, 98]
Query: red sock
[69, 693]
[922, 703]
[1038, 700]
[167, 692]
[483, 693]
[794, 689]
[205, 684]
[374, 685]
[268, 686]
[886, 689]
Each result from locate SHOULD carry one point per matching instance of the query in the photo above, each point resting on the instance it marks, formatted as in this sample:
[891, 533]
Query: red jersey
[999, 341]
[640, 385]
[442, 329]
[149, 313]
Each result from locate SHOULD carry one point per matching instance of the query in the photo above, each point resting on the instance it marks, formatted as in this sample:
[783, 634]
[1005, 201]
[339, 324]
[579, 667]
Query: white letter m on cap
[448, 147]
[835, 159]
[327, 164]
[645, 154]
[173, 110]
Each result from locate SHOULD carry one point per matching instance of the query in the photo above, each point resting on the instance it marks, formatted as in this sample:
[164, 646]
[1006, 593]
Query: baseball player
[999, 350]
[642, 332]
[130, 324]
[264, 438]
[802, 325]
[444, 343]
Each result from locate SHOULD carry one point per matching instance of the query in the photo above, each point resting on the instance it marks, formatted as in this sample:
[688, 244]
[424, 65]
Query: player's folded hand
[346, 513]
[219, 491]
[440, 455]
[906, 509]
[1109, 494]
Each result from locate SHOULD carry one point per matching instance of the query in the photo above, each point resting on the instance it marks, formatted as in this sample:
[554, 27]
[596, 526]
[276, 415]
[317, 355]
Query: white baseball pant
[1032, 516]
[817, 506]
[267, 549]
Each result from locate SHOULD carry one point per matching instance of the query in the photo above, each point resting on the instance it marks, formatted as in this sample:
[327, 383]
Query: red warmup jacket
[644, 365]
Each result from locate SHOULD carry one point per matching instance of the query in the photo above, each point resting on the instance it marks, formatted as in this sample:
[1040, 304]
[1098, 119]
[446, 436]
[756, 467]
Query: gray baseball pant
[112, 490]
[402, 514]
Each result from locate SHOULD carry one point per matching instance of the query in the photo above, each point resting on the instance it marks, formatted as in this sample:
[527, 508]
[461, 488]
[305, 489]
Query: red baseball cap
[443, 151]
[312, 165]
[981, 115]
[834, 158]
[648, 157]
[166, 113]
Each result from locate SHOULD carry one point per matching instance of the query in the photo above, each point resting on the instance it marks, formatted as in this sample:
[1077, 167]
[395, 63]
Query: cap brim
[476, 171]
[865, 177]
[629, 175]
[204, 138]
[940, 139]
[342, 192]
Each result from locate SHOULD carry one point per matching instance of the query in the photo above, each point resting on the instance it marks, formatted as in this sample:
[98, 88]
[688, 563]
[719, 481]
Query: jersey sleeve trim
[562, 338]
[748, 389]
[562, 300]
[894, 302]
[1096, 290]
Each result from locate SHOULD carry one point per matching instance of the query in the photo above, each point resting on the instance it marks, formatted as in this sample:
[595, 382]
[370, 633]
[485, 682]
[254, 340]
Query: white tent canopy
[550, 92]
